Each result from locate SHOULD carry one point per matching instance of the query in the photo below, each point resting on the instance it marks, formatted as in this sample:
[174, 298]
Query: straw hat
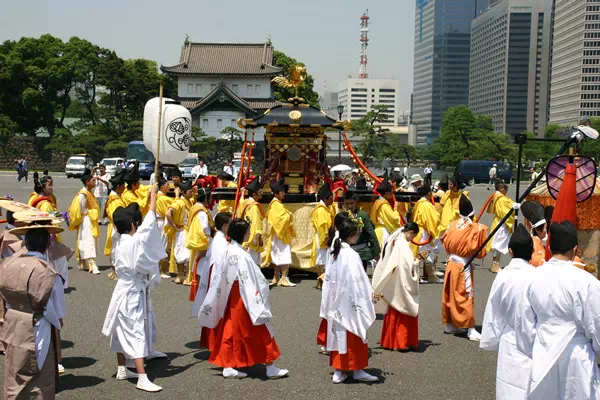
[14, 206]
[35, 215]
[24, 229]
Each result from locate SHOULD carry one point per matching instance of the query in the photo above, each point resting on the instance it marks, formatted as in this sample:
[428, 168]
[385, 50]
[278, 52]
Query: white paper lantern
[176, 130]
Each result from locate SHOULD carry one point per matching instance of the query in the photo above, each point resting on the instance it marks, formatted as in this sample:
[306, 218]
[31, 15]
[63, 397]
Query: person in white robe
[347, 302]
[559, 326]
[333, 235]
[215, 253]
[130, 321]
[499, 321]
[237, 267]
[396, 290]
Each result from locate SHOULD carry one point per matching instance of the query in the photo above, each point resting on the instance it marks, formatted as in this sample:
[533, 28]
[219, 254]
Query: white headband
[539, 223]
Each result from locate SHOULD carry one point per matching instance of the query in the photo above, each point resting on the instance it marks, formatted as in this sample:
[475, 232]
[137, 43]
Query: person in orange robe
[396, 291]
[461, 241]
[237, 307]
[533, 212]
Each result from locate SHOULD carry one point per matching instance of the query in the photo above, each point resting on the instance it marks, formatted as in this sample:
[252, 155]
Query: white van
[77, 164]
[111, 164]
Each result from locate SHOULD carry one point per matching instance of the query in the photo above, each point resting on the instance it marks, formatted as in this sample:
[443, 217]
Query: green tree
[373, 144]
[306, 91]
[7, 126]
[232, 139]
[465, 135]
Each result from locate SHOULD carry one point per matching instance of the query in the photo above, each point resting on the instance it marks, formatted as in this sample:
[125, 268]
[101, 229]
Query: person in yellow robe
[427, 218]
[37, 190]
[448, 205]
[136, 193]
[279, 243]
[383, 216]
[322, 218]
[164, 198]
[461, 241]
[499, 206]
[252, 210]
[46, 202]
[177, 216]
[113, 202]
[200, 226]
[227, 181]
[84, 214]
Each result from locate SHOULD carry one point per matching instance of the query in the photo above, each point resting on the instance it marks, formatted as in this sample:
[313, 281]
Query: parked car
[470, 172]
[136, 151]
[77, 164]
[188, 164]
[111, 164]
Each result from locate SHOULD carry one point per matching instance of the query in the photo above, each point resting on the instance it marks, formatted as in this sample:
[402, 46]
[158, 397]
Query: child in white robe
[237, 308]
[215, 253]
[130, 319]
[347, 301]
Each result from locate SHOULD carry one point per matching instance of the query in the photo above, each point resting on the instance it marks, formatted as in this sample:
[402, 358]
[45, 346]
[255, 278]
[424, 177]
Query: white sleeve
[205, 224]
[493, 321]
[82, 202]
[525, 327]
[56, 308]
[591, 315]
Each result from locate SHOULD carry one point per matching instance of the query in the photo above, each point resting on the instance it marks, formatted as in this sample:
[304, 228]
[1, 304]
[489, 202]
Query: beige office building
[575, 90]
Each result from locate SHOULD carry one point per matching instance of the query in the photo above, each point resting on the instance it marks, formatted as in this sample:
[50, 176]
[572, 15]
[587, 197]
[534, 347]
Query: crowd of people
[541, 316]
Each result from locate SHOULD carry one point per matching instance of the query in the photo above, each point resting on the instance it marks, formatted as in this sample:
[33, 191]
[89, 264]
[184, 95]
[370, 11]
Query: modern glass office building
[441, 63]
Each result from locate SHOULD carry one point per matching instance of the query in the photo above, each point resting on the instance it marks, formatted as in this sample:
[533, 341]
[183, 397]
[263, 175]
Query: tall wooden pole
[160, 107]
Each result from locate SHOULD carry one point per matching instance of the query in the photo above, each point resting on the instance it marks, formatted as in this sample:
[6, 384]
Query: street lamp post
[340, 110]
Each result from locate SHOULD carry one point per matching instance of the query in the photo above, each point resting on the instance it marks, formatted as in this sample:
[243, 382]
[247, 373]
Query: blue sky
[323, 34]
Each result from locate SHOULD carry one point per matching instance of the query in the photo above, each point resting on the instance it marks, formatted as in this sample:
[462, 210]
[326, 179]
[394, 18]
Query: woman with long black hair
[237, 307]
[348, 304]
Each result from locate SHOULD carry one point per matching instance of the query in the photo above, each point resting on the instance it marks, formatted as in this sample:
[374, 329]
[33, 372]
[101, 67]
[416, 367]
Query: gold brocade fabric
[588, 212]
[302, 243]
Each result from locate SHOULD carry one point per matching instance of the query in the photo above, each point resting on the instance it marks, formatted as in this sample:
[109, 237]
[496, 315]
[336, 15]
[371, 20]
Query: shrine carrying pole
[160, 107]
[575, 137]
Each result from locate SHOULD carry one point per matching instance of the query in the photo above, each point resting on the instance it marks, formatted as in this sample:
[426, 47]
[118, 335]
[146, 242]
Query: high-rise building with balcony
[510, 65]
[575, 89]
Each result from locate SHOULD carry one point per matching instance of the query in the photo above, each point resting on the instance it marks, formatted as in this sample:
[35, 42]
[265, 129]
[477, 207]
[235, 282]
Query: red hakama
[206, 334]
[322, 333]
[356, 357]
[237, 342]
[400, 331]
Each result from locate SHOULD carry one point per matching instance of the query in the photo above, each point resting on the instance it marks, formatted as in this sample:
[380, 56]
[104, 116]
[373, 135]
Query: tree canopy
[306, 91]
[377, 142]
[45, 80]
[466, 135]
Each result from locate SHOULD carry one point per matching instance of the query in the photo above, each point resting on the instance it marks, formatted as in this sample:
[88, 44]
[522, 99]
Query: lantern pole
[160, 107]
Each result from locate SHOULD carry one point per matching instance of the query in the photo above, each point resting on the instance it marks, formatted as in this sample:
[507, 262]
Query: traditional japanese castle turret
[222, 82]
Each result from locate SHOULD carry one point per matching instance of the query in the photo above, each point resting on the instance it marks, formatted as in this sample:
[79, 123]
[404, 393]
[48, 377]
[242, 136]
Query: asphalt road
[445, 367]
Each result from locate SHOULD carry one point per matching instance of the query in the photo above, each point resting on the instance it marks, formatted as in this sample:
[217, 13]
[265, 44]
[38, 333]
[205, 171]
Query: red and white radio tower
[364, 43]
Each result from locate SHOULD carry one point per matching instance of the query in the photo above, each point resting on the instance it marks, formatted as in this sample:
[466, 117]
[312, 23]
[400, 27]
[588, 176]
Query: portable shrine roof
[294, 115]
[229, 59]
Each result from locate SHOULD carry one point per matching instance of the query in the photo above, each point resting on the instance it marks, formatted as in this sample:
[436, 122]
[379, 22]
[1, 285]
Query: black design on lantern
[179, 133]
